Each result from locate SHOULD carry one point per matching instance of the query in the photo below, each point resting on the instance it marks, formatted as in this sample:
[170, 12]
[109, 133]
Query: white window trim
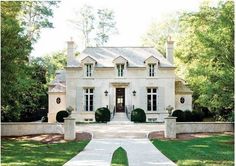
[86, 75]
[118, 67]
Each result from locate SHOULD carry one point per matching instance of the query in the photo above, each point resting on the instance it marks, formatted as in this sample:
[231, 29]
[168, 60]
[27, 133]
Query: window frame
[88, 69]
[151, 69]
[120, 67]
[88, 99]
[152, 104]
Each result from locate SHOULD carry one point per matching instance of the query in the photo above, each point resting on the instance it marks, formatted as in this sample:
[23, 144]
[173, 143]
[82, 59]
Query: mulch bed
[49, 138]
[187, 136]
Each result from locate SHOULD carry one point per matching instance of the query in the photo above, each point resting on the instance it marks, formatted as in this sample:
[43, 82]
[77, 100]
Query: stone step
[133, 135]
[119, 122]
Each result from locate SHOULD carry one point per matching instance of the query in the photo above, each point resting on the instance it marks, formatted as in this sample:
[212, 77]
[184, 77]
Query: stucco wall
[26, 128]
[195, 127]
[54, 107]
[187, 105]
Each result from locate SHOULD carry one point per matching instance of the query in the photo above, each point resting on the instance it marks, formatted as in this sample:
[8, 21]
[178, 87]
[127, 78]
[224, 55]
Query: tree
[96, 27]
[106, 26]
[159, 31]
[51, 63]
[23, 84]
[34, 15]
[207, 48]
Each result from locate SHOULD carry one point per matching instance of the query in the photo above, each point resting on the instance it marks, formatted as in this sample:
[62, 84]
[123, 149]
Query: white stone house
[120, 78]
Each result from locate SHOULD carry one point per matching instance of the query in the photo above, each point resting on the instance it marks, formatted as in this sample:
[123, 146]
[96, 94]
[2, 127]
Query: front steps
[120, 118]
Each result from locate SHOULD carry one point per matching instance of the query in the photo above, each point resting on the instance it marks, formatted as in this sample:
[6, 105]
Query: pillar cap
[172, 117]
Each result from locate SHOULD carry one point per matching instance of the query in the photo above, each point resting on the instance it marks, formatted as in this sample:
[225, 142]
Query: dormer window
[120, 70]
[88, 70]
[151, 70]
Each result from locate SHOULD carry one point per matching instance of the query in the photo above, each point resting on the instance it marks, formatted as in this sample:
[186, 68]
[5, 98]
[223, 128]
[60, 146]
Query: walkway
[140, 152]
[104, 131]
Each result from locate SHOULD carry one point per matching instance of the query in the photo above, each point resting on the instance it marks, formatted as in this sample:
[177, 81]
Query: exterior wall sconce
[134, 93]
[106, 92]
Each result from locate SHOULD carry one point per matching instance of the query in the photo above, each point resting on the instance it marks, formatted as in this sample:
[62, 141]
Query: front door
[120, 99]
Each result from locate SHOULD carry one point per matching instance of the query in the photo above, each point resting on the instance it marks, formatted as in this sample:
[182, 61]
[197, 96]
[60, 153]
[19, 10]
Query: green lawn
[214, 150]
[32, 153]
[119, 158]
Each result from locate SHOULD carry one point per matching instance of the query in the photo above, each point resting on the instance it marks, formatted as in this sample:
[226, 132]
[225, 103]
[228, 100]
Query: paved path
[140, 152]
[103, 131]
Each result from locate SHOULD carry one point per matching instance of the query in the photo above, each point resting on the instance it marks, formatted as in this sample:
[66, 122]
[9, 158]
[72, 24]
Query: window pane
[149, 102]
[148, 90]
[154, 90]
[91, 90]
[154, 103]
[86, 102]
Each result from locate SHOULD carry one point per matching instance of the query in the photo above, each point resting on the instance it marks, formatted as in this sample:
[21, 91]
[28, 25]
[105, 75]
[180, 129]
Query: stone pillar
[69, 128]
[170, 127]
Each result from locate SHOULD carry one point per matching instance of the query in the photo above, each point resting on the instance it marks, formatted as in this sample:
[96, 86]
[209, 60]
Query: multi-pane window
[120, 70]
[151, 99]
[88, 96]
[88, 70]
[151, 70]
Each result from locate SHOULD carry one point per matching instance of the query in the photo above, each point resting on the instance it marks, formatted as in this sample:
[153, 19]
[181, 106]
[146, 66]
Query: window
[88, 96]
[58, 100]
[151, 70]
[88, 70]
[151, 99]
[120, 70]
[182, 100]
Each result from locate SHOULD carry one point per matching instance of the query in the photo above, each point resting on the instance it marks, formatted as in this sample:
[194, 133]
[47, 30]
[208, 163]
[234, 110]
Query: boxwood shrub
[197, 116]
[138, 115]
[187, 116]
[61, 115]
[102, 114]
[179, 114]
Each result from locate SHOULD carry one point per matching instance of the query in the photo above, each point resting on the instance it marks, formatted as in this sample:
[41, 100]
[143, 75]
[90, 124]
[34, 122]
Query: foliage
[213, 150]
[204, 53]
[187, 116]
[61, 115]
[96, 26]
[102, 114]
[23, 82]
[105, 27]
[51, 63]
[119, 157]
[32, 153]
[197, 116]
[138, 115]
[207, 48]
[34, 15]
[179, 114]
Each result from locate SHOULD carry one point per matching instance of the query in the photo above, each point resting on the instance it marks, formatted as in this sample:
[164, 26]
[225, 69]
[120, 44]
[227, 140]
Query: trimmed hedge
[138, 115]
[179, 114]
[197, 116]
[102, 114]
[188, 116]
[61, 115]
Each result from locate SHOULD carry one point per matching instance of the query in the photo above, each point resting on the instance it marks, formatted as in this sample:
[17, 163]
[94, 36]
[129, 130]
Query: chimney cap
[169, 40]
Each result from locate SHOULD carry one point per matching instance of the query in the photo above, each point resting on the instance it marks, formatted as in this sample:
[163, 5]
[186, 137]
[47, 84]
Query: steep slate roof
[135, 56]
[180, 87]
[58, 88]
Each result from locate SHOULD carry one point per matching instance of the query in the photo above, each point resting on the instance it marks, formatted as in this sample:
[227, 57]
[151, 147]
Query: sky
[133, 17]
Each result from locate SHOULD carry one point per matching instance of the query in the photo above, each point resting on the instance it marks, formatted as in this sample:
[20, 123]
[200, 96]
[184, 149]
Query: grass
[119, 158]
[33, 153]
[214, 150]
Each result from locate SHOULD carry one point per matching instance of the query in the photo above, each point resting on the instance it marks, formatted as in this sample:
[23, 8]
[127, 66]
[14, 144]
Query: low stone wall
[29, 128]
[196, 127]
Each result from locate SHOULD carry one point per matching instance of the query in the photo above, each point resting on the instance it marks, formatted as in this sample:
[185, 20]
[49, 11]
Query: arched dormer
[88, 64]
[120, 64]
[152, 66]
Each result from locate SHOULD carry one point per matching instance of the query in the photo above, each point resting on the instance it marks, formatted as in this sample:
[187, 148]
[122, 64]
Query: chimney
[70, 52]
[170, 50]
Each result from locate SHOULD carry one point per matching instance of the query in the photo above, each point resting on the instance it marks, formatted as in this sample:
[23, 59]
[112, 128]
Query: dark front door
[120, 99]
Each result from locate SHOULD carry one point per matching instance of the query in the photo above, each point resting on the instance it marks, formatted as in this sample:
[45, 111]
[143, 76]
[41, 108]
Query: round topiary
[197, 116]
[102, 114]
[138, 115]
[187, 116]
[179, 114]
[61, 115]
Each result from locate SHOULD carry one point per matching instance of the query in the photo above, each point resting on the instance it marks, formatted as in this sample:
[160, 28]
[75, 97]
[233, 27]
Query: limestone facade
[121, 79]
